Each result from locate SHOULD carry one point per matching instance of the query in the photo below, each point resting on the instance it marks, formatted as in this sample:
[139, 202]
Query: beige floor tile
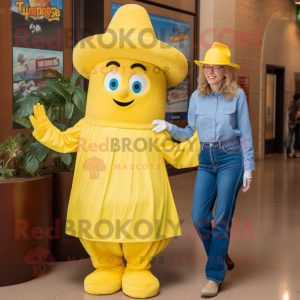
[266, 231]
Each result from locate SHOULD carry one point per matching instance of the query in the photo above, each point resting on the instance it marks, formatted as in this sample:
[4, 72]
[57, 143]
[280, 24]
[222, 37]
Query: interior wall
[282, 34]
[271, 24]
[217, 21]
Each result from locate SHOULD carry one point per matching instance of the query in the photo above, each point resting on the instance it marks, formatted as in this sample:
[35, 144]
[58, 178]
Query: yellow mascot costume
[121, 204]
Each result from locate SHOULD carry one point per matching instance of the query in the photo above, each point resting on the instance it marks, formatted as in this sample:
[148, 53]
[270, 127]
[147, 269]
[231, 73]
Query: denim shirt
[216, 118]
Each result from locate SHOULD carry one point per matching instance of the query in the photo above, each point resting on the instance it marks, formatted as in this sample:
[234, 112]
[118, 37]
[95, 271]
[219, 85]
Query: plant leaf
[67, 80]
[46, 96]
[35, 153]
[43, 90]
[74, 77]
[69, 110]
[18, 102]
[60, 126]
[38, 149]
[66, 158]
[79, 99]
[31, 164]
[55, 87]
[59, 76]
[26, 107]
[3, 148]
[77, 115]
[49, 113]
[70, 90]
[22, 121]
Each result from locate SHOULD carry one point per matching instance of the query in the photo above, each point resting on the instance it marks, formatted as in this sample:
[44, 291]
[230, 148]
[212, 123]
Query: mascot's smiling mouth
[123, 103]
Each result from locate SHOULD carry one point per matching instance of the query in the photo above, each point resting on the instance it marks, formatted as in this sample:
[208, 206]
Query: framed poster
[37, 43]
[175, 29]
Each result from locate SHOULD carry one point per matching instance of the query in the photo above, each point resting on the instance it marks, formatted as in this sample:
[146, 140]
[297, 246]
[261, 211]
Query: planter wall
[25, 226]
[66, 247]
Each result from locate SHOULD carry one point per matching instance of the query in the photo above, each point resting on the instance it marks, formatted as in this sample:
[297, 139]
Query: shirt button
[213, 111]
[213, 122]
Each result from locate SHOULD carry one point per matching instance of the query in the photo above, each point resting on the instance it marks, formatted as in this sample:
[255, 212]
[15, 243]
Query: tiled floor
[265, 246]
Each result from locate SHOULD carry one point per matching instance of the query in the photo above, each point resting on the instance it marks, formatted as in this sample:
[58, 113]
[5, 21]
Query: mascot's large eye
[112, 81]
[138, 83]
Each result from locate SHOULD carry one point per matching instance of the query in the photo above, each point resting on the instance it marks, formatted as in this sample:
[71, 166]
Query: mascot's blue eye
[112, 81]
[138, 83]
[113, 84]
[136, 87]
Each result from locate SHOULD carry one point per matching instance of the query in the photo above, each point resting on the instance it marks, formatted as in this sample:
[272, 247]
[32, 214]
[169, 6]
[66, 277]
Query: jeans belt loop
[219, 144]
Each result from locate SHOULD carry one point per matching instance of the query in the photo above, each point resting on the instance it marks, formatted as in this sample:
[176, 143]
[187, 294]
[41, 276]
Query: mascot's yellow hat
[130, 35]
[218, 54]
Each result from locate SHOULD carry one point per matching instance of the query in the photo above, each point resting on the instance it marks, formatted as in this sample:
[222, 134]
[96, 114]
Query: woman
[218, 111]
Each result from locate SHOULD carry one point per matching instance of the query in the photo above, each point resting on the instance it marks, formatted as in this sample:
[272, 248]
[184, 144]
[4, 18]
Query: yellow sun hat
[130, 35]
[218, 54]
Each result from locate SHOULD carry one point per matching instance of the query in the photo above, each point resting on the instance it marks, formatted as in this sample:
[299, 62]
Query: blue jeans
[290, 138]
[220, 173]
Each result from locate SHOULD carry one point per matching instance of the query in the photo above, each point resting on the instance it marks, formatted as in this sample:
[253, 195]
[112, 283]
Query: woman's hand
[161, 125]
[247, 181]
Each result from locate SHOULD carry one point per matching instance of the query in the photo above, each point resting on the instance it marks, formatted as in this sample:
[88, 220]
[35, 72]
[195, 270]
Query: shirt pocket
[202, 117]
[228, 110]
[201, 111]
[228, 116]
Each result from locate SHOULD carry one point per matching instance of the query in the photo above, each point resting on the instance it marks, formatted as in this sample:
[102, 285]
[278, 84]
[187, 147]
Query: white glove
[247, 174]
[161, 125]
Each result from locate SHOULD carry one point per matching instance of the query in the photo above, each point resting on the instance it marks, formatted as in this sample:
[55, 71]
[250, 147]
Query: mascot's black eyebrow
[138, 65]
[113, 63]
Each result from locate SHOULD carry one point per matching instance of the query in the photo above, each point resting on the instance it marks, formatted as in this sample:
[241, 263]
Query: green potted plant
[65, 103]
[25, 208]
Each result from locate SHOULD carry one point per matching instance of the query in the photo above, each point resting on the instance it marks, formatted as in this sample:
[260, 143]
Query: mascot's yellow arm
[183, 155]
[49, 135]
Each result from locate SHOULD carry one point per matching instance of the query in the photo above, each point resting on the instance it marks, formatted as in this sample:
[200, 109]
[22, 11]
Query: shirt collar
[214, 94]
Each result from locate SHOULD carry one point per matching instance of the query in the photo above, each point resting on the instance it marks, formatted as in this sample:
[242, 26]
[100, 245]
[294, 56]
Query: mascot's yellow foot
[139, 284]
[104, 281]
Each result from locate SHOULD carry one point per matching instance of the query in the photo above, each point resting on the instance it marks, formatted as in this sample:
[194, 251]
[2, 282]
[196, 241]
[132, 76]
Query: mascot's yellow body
[121, 203]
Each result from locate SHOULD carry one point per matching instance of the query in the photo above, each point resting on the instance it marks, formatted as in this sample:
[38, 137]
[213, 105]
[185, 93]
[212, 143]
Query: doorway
[297, 83]
[297, 91]
[274, 110]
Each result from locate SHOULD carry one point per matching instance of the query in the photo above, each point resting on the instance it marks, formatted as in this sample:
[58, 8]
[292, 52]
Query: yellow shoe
[139, 284]
[104, 281]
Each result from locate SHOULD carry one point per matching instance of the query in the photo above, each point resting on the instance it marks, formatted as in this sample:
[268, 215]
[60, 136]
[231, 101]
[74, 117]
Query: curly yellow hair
[228, 88]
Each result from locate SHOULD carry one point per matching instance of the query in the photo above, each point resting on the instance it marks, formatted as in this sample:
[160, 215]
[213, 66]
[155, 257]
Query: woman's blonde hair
[228, 88]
